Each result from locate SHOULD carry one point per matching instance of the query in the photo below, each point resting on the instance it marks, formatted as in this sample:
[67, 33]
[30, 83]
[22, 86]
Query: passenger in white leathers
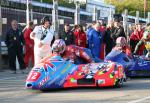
[42, 36]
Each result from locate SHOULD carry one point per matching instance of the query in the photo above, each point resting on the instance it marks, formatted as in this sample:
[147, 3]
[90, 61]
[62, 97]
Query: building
[103, 9]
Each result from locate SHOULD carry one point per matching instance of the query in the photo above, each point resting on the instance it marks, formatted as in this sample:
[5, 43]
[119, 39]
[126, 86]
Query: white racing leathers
[45, 49]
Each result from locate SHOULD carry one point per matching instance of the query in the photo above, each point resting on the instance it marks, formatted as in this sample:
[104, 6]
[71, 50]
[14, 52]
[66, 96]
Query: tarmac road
[12, 90]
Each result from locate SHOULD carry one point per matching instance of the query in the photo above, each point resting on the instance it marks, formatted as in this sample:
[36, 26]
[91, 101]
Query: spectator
[130, 30]
[107, 37]
[14, 41]
[94, 40]
[42, 36]
[90, 28]
[29, 44]
[135, 38]
[119, 31]
[102, 27]
[67, 35]
[80, 36]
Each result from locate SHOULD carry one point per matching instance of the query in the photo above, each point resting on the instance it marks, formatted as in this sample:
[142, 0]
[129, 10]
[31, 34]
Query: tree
[131, 5]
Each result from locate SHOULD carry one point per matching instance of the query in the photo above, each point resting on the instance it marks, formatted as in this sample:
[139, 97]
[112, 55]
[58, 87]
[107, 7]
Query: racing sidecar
[136, 66]
[56, 72]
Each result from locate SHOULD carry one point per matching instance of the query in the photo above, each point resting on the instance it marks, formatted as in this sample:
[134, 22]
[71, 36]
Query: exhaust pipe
[29, 85]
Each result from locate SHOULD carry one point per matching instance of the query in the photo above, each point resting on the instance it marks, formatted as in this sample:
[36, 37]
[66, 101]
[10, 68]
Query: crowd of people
[98, 39]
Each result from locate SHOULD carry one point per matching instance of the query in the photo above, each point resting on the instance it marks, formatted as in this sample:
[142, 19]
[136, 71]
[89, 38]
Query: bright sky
[99, 0]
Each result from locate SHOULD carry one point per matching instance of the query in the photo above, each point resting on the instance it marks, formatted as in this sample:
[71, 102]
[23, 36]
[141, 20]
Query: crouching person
[146, 41]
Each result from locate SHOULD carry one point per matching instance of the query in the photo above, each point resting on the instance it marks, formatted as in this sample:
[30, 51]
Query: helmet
[59, 46]
[146, 35]
[44, 19]
[121, 41]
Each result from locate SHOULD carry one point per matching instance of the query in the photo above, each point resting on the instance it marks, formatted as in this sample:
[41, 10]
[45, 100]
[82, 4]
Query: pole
[31, 11]
[55, 18]
[148, 19]
[125, 18]
[110, 12]
[0, 35]
[27, 12]
[137, 17]
[95, 14]
[77, 13]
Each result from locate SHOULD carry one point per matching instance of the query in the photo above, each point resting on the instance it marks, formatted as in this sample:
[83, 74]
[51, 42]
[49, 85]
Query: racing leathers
[147, 46]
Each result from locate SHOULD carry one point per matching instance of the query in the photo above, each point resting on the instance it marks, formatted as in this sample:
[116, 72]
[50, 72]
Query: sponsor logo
[44, 81]
[101, 81]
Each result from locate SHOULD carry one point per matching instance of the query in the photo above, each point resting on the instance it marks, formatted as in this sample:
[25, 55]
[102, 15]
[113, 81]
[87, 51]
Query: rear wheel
[119, 83]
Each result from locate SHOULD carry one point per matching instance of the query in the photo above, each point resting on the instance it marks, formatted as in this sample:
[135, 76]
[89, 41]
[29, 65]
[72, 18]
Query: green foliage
[131, 5]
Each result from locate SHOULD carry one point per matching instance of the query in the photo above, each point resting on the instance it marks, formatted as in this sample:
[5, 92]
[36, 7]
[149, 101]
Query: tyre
[119, 83]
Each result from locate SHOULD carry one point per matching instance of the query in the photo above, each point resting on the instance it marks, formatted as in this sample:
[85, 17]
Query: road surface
[12, 90]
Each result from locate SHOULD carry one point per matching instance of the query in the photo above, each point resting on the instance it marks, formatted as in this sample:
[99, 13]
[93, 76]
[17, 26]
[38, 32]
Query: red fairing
[106, 76]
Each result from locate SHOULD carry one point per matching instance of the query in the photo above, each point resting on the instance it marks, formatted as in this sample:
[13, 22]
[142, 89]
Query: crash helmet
[121, 41]
[58, 46]
[146, 35]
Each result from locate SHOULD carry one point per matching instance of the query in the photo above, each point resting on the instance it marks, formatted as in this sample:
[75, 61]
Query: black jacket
[14, 38]
[68, 37]
[118, 32]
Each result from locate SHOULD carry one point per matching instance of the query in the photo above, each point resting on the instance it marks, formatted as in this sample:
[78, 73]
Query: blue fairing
[136, 66]
[52, 78]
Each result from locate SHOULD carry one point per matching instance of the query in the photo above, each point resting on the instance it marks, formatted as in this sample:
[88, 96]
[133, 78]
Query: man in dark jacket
[67, 35]
[108, 39]
[119, 31]
[14, 41]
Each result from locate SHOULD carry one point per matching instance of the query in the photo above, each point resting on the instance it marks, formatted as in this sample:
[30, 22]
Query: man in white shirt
[42, 36]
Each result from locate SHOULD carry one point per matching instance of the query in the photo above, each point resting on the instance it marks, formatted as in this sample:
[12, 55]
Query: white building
[101, 6]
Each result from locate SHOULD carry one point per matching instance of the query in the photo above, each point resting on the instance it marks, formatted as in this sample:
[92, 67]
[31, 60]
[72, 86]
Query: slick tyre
[119, 83]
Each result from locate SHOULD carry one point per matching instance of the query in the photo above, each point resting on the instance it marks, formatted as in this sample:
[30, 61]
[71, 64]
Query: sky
[99, 0]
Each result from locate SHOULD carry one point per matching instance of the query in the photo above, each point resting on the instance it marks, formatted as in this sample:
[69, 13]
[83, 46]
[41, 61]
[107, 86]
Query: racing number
[34, 76]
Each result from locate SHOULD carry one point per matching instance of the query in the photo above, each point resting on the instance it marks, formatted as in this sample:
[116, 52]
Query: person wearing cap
[146, 41]
[42, 36]
[67, 35]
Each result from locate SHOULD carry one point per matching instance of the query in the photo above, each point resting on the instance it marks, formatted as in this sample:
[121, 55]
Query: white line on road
[139, 100]
[11, 77]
